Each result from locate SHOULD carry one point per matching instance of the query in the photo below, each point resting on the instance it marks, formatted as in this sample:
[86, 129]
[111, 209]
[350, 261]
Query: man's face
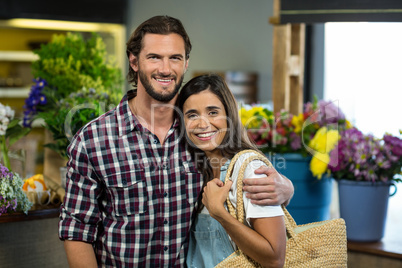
[161, 65]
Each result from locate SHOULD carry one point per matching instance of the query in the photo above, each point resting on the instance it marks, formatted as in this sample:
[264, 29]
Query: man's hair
[156, 25]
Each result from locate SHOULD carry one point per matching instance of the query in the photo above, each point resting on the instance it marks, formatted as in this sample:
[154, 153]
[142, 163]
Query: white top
[250, 210]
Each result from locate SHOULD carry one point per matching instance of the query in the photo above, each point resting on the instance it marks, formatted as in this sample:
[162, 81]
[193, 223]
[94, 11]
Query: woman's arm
[266, 243]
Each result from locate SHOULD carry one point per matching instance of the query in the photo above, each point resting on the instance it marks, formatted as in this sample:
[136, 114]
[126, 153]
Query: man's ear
[133, 62]
[186, 66]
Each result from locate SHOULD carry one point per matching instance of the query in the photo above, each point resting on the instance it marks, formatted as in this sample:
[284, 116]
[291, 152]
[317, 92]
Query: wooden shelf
[21, 56]
[35, 213]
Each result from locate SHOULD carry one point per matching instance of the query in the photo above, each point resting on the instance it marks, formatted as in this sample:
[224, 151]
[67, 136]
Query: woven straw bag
[318, 244]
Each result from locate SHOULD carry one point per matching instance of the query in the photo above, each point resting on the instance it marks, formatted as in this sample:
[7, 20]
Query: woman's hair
[235, 139]
[156, 25]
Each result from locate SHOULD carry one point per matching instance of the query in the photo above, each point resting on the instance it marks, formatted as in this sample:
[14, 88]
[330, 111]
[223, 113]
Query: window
[363, 71]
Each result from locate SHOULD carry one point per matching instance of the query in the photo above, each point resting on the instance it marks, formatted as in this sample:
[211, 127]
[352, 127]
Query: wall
[226, 34]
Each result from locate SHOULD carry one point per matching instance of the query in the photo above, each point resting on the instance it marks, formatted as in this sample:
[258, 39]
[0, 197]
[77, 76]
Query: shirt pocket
[193, 181]
[128, 193]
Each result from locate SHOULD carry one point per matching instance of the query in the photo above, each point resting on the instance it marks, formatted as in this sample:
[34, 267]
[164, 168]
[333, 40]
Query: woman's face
[206, 122]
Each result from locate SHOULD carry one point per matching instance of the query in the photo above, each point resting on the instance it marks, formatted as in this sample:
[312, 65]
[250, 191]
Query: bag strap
[238, 214]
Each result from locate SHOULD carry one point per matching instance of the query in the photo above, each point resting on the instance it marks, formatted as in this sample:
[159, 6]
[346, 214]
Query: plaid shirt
[127, 194]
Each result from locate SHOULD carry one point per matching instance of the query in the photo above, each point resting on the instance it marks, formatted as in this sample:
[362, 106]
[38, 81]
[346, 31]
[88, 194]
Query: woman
[215, 135]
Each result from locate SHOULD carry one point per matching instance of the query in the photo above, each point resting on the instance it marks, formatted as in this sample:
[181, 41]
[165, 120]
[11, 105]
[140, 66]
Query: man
[132, 186]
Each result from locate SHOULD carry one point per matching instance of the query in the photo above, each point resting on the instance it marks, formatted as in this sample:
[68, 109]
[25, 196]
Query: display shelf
[17, 56]
[14, 92]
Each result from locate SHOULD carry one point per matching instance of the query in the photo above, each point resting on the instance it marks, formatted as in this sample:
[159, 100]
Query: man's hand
[275, 189]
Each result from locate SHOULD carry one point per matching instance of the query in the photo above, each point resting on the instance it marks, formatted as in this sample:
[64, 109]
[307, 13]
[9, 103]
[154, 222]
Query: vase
[312, 197]
[52, 161]
[63, 176]
[363, 205]
[15, 161]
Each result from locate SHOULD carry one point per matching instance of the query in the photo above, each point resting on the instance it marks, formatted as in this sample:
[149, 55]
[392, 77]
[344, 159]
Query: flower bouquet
[361, 157]
[12, 198]
[314, 132]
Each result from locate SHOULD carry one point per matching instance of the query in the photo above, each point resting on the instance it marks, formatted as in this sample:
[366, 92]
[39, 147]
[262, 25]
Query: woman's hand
[214, 196]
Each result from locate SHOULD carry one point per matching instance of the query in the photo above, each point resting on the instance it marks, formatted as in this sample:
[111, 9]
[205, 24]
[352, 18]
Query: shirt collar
[127, 122]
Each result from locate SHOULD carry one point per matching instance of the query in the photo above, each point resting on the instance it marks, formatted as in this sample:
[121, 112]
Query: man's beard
[151, 91]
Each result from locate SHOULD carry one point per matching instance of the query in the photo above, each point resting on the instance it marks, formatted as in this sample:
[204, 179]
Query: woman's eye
[191, 116]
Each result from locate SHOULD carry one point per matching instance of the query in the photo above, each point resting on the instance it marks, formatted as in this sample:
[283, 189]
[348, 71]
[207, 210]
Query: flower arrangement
[12, 198]
[10, 132]
[314, 132]
[75, 83]
[363, 157]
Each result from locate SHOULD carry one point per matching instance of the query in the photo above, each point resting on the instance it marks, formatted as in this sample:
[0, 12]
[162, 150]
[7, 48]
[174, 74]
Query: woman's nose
[203, 122]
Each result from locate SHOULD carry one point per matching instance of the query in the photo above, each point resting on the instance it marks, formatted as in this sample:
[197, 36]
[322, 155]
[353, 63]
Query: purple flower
[363, 157]
[395, 143]
[35, 99]
[295, 143]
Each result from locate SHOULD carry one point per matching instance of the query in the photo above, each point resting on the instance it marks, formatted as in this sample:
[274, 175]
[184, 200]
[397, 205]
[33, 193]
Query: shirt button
[165, 248]
[155, 141]
[165, 194]
[165, 222]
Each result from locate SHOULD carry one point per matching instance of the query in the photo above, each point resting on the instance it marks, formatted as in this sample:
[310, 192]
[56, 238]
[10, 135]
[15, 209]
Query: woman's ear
[133, 62]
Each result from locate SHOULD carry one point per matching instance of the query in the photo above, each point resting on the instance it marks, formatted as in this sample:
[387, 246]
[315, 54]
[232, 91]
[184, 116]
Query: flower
[322, 144]
[363, 157]
[75, 83]
[36, 99]
[10, 132]
[12, 198]
[315, 131]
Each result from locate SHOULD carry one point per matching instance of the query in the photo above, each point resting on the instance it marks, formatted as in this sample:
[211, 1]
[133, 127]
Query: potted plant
[365, 168]
[76, 82]
[294, 143]
[12, 198]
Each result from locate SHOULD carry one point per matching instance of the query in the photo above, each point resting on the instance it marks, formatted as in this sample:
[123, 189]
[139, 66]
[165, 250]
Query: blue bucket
[312, 198]
[363, 205]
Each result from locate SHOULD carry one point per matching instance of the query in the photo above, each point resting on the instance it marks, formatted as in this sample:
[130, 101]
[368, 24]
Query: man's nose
[165, 67]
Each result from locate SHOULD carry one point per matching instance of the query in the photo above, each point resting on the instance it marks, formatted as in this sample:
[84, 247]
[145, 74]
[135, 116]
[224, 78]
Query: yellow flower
[249, 119]
[348, 124]
[324, 141]
[319, 164]
[297, 122]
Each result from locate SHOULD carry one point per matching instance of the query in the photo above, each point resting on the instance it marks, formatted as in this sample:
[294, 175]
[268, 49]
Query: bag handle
[238, 214]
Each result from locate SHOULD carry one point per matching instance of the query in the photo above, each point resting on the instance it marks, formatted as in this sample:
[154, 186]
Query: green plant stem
[4, 151]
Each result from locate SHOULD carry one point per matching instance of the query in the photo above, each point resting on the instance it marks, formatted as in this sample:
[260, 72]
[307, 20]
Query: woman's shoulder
[248, 154]
[251, 167]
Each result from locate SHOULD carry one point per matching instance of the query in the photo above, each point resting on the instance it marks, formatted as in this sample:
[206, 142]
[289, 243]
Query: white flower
[2, 110]
[10, 112]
